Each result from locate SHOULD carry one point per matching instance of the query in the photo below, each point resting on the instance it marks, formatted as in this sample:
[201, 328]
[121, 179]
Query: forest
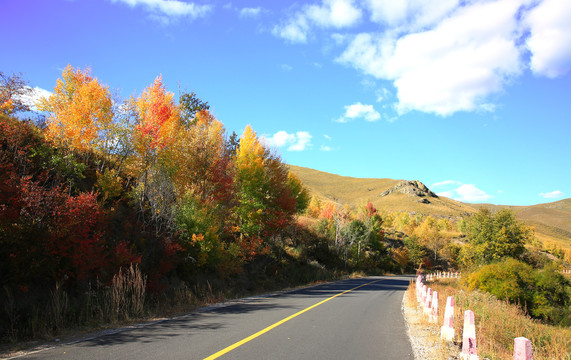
[113, 210]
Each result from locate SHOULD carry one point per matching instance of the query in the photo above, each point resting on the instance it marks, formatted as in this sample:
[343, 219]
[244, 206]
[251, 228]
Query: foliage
[314, 207]
[80, 109]
[493, 237]
[190, 105]
[109, 185]
[13, 89]
[416, 251]
[544, 293]
[202, 167]
[503, 322]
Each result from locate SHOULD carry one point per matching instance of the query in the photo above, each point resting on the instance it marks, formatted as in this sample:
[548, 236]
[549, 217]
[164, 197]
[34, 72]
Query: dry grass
[498, 323]
[552, 221]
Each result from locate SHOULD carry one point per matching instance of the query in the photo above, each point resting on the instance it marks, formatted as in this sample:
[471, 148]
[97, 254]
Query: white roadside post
[447, 329]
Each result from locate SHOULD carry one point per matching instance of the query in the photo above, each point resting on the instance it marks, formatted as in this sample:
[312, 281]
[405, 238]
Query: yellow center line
[261, 332]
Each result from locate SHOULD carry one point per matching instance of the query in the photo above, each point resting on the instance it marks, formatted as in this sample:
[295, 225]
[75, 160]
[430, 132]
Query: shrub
[545, 294]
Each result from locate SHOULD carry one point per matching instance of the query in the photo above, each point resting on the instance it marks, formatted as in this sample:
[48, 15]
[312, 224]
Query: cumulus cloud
[329, 14]
[334, 13]
[443, 56]
[453, 66]
[33, 96]
[250, 12]
[445, 183]
[550, 37]
[552, 195]
[326, 148]
[298, 141]
[461, 192]
[469, 192]
[359, 110]
[169, 8]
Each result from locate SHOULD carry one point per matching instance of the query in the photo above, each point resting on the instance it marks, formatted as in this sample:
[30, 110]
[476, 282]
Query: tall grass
[127, 293]
[498, 323]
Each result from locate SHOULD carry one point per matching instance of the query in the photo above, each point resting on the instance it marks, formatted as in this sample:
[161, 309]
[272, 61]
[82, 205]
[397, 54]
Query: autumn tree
[494, 236]
[429, 234]
[201, 165]
[265, 203]
[80, 110]
[154, 134]
[251, 181]
[13, 90]
[314, 207]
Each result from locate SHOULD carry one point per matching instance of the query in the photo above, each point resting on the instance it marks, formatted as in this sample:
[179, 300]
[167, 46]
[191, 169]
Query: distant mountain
[552, 221]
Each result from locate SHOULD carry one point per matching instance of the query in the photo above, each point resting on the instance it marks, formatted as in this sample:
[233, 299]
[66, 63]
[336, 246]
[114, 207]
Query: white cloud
[250, 12]
[329, 14]
[334, 13]
[382, 94]
[452, 66]
[550, 37]
[294, 31]
[443, 56]
[469, 192]
[286, 67]
[327, 137]
[172, 8]
[411, 13]
[552, 195]
[448, 194]
[359, 110]
[299, 141]
[326, 148]
[445, 183]
[461, 192]
[35, 94]
[303, 141]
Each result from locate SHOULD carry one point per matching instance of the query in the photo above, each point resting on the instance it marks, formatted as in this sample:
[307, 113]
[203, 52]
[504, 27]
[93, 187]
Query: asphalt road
[321, 322]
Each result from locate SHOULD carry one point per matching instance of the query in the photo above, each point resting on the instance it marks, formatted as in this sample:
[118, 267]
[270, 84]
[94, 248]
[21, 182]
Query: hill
[385, 194]
[552, 221]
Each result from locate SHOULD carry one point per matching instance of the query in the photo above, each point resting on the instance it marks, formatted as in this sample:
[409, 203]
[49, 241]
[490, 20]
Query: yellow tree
[80, 109]
[430, 236]
[250, 178]
[201, 165]
[314, 207]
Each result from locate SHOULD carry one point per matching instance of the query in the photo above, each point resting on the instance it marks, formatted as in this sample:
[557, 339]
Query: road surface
[348, 319]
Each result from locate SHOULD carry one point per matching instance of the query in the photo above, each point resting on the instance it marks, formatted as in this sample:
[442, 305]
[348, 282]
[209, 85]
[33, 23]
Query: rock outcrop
[412, 187]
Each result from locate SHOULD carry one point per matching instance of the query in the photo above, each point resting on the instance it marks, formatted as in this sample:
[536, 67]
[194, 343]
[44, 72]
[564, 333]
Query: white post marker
[447, 329]
[469, 351]
[522, 349]
[423, 295]
[427, 302]
[433, 318]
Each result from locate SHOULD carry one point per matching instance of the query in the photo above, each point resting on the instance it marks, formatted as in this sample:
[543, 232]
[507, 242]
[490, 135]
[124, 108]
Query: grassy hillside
[357, 191]
[552, 221]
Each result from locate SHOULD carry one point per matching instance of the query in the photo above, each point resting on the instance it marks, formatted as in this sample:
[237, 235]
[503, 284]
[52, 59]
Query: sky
[471, 97]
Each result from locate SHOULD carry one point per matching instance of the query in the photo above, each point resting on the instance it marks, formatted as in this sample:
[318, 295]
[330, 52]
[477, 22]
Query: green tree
[494, 237]
[190, 105]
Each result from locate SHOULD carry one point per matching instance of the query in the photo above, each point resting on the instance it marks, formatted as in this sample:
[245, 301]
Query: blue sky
[473, 98]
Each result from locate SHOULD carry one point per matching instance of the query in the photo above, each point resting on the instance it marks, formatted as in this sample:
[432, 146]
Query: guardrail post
[469, 351]
[447, 329]
[522, 349]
